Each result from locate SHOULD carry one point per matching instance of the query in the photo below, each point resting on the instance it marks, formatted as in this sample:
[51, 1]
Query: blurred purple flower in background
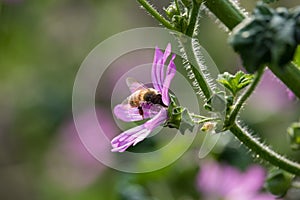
[272, 94]
[68, 163]
[157, 113]
[217, 181]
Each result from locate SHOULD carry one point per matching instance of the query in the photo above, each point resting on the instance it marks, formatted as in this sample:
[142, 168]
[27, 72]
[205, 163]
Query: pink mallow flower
[155, 112]
[224, 182]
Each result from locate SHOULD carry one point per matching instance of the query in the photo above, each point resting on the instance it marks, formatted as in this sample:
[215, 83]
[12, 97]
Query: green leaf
[235, 83]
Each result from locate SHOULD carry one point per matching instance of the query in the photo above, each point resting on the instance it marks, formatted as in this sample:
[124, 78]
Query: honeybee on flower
[146, 103]
[141, 96]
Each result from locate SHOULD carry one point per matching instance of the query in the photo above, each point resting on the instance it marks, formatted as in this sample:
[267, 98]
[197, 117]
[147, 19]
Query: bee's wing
[125, 103]
[128, 114]
[134, 85]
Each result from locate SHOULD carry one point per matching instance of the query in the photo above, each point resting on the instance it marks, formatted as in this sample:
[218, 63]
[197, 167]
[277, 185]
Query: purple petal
[133, 136]
[291, 95]
[130, 137]
[127, 113]
[158, 67]
[170, 75]
[156, 70]
[157, 120]
[164, 59]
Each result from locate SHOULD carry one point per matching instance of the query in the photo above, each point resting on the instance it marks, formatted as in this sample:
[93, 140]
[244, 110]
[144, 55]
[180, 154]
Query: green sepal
[294, 136]
[235, 83]
[179, 117]
[278, 182]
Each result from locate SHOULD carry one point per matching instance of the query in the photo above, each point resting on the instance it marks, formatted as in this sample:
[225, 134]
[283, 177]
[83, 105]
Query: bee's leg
[141, 112]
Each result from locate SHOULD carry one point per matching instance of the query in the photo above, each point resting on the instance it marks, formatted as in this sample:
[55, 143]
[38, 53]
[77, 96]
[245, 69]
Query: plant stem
[193, 18]
[197, 116]
[188, 50]
[264, 151]
[226, 11]
[156, 14]
[244, 97]
[207, 120]
[290, 75]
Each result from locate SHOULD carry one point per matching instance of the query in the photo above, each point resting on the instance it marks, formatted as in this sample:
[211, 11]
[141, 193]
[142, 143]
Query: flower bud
[294, 136]
[171, 11]
[278, 182]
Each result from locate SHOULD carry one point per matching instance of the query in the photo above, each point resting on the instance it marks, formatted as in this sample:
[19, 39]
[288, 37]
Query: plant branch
[264, 151]
[290, 75]
[226, 11]
[207, 120]
[189, 55]
[147, 6]
[193, 18]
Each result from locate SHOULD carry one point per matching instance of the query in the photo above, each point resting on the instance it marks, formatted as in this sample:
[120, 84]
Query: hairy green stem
[156, 14]
[226, 11]
[187, 48]
[240, 102]
[207, 120]
[264, 151]
[197, 116]
[291, 75]
[193, 18]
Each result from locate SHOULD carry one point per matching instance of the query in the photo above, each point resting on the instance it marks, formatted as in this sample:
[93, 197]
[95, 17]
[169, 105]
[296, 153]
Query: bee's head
[149, 96]
[153, 97]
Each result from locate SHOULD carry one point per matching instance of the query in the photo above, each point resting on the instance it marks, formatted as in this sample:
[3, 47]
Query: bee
[142, 95]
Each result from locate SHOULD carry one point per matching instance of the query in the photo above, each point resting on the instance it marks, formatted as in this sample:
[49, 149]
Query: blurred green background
[42, 44]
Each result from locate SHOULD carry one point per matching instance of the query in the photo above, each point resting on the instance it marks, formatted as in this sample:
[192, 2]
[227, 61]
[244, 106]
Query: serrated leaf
[235, 83]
